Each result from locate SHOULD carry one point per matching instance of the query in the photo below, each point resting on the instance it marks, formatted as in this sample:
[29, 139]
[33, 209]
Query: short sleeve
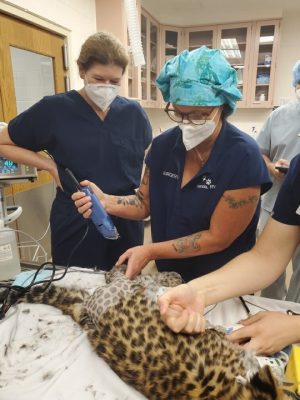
[149, 157]
[249, 169]
[147, 128]
[31, 128]
[287, 205]
[264, 137]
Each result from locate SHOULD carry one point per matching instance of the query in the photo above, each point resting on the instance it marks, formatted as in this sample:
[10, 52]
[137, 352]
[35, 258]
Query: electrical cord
[212, 308]
[40, 238]
[247, 309]
[242, 300]
[48, 225]
[245, 302]
[291, 312]
[22, 289]
[34, 240]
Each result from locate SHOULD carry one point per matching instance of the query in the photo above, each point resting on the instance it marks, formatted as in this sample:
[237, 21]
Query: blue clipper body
[99, 216]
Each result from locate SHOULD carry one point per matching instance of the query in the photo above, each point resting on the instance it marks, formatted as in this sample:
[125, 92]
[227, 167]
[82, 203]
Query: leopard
[122, 322]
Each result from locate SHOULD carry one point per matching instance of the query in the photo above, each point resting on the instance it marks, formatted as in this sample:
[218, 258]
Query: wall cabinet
[250, 48]
[197, 37]
[138, 82]
[150, 34]
[234, 40]
[264, 51]
[235, 43]
[133, 77]
[171, 43]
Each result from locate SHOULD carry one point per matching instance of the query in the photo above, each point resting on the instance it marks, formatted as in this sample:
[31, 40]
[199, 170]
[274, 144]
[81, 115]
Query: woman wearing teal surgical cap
[203, 177]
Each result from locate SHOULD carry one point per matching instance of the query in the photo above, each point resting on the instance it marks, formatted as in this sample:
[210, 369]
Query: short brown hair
[103, 48]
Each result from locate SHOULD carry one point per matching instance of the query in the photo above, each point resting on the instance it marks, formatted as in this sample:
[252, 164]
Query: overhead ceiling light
[228, 44]
[230, 48]
[232, 53]
[266, 39]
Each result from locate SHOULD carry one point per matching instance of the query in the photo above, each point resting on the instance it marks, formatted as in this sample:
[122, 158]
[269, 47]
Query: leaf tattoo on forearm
[187, 244]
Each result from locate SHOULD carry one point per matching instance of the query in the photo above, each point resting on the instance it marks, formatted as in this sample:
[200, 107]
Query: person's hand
[265, 332]
[182, 309]
[83, 202]
[56, 179]
[53, 171]
[274, 172]
[137, 258]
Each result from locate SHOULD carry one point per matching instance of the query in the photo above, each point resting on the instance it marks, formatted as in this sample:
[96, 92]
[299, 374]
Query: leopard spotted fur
[127, 332]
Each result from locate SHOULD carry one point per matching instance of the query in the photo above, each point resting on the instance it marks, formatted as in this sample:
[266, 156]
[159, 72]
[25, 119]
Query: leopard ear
[116, 271]
[265, 382]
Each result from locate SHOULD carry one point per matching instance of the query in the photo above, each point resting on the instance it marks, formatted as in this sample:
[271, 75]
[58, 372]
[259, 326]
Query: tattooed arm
[229, 220]
[182, 307]
[134, 207]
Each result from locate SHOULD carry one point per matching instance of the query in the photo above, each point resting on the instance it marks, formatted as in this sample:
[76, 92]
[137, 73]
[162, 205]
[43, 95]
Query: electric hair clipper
[99, 216]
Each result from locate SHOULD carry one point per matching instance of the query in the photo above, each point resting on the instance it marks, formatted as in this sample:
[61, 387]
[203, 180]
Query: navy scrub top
[287, 206]
[235, 162]
[109, 153]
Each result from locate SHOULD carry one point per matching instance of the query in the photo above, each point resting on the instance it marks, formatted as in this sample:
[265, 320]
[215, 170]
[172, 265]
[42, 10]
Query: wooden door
[20, 44]
[17, 34]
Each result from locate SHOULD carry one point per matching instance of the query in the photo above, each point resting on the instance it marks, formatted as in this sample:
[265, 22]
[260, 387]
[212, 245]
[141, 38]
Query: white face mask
[101, 94]
[298, 94]
[192, 135]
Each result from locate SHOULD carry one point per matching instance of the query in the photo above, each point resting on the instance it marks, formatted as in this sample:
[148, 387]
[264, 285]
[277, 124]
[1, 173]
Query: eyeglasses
[194, 117]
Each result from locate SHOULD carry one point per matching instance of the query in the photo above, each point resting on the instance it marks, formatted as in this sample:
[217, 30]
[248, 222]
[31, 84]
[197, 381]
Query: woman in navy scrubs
[98, 135]
[269, 332]
[204, 177]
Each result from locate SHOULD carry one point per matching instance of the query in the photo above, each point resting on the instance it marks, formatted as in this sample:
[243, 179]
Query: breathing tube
[134, 32]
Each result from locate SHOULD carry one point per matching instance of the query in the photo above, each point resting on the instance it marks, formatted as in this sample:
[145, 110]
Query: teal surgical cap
[296, 73]
[202, 77]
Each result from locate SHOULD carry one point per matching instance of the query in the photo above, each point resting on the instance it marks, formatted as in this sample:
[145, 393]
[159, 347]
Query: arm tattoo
[240, 203]
[135, 200]
[187, 244]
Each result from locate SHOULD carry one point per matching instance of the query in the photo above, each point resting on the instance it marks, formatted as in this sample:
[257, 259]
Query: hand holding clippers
[99, 216]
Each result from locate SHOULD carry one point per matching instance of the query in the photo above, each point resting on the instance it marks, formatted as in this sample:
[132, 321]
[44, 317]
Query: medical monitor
[10, 170]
